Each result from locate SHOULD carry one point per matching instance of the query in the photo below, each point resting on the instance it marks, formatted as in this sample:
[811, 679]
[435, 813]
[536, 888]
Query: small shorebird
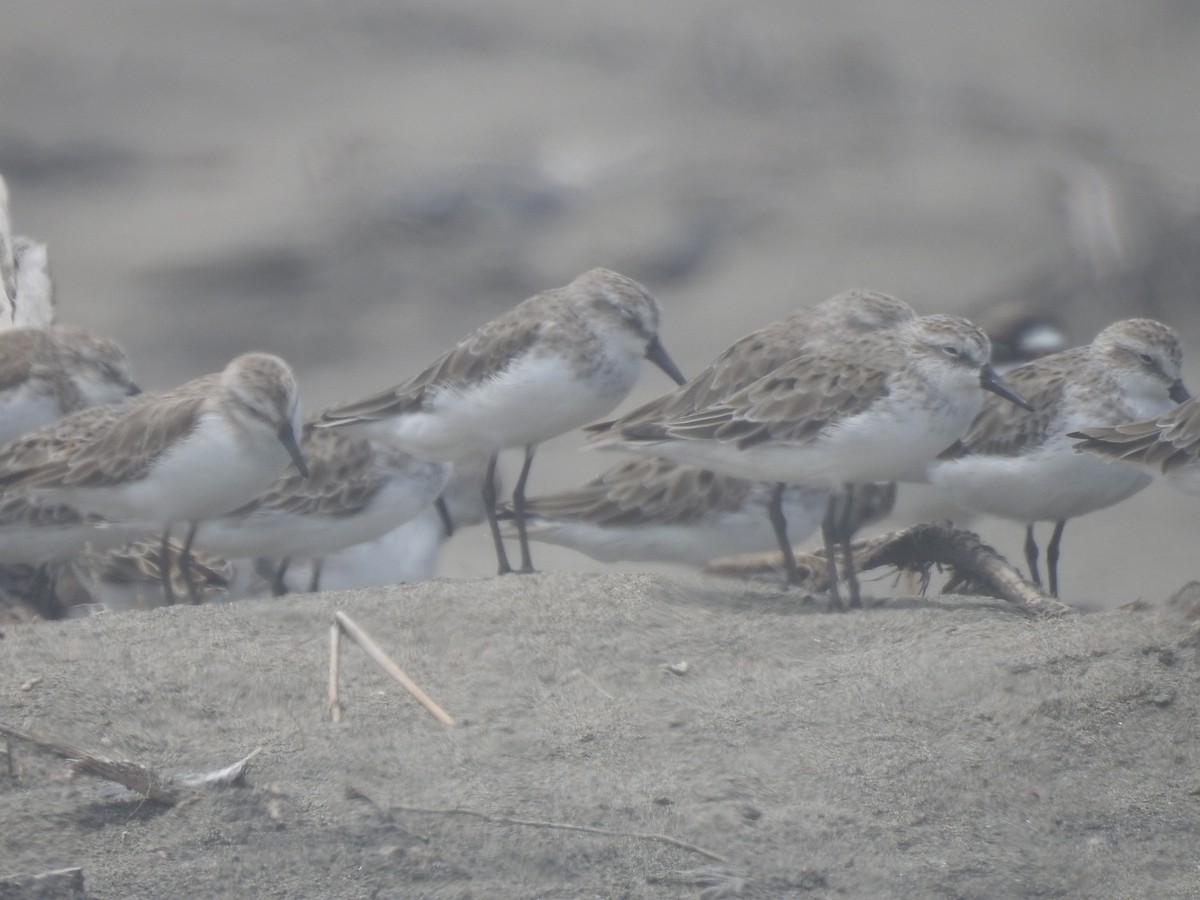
[46, 373]
[409, 553]
[158, 459]
[357, 489]
[551, 364]
[131, 577]
[1019, 464]
[878, 407]
[649, 509]
[837, 321]
[825, 417]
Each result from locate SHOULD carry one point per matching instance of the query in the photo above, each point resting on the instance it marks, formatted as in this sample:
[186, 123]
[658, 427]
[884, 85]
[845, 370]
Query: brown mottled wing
[342, 478]
[487, 351]
[744, 362]
[141, 561]
[26, 510]
[794, 403]
[644, 490]
[120, 446]
[1004, 429]
[1168, 441]
[57, 440]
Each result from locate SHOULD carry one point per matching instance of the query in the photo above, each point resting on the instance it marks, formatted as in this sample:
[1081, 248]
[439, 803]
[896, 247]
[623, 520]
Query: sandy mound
[942, 747]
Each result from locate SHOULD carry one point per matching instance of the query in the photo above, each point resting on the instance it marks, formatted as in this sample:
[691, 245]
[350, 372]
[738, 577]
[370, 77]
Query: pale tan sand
[930, 748]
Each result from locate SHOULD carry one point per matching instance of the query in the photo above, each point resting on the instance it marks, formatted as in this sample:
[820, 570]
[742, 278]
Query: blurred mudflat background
[356, 185]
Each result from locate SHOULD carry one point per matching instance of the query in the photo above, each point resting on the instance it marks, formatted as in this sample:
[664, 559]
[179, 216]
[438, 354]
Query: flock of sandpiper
[805, 424]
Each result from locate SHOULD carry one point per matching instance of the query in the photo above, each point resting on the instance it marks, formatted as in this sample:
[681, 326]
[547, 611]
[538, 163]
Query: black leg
[518, 503]
[1052, 556]
[44, 594]
[845, 529]
[828, 532]
[185, 565]
[164, 566]
[1031, 556]
[489, 505]
[278, 585]
[314, 583]
[444, 514]
[779, 523]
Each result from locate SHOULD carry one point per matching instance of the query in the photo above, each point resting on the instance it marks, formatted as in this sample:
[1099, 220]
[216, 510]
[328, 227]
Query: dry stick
[376, 653]
[132, 775]
[562, 826]
[332, 703]
[918, 548]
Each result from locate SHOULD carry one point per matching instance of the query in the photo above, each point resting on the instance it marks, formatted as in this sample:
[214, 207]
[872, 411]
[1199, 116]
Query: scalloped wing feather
[1169, 441]
[644, 489]
[484, 353]
[794, 404]
[1004, 429]
[115, 451]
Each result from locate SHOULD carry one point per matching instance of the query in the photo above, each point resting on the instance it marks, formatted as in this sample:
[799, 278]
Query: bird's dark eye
[951, 351]
[1146, 359]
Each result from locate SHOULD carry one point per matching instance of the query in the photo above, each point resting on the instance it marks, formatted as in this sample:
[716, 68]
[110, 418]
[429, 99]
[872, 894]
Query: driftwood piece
[140, 779]
[8, 267]
[136, 777]
[59, 883]
[915, 549]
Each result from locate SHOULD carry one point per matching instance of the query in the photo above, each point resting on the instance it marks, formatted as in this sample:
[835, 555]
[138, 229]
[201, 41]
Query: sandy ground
[930, 748]
[356, 185]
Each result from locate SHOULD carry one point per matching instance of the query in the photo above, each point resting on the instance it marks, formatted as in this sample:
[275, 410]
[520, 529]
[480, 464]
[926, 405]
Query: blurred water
[355, 185]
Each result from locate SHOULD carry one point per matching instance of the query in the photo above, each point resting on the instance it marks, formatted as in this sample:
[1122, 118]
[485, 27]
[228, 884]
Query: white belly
[23, 409]
[210, 473]
[533, 401]
[889, 442]
[1052, 486]
[404, 555]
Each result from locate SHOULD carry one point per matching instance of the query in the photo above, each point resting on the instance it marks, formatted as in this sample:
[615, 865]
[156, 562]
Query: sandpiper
[554, 362]
[1019, 463]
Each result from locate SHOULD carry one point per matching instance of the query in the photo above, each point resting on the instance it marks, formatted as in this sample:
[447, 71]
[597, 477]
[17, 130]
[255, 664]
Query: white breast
[537, 398]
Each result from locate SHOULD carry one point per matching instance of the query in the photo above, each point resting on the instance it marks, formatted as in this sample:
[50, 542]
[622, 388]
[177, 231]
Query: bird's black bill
[990, 381]
[287, 437]
[658, 355]
[1178, 393]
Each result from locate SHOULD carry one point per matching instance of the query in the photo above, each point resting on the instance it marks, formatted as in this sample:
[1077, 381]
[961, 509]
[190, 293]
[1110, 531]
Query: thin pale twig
[561, 826]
